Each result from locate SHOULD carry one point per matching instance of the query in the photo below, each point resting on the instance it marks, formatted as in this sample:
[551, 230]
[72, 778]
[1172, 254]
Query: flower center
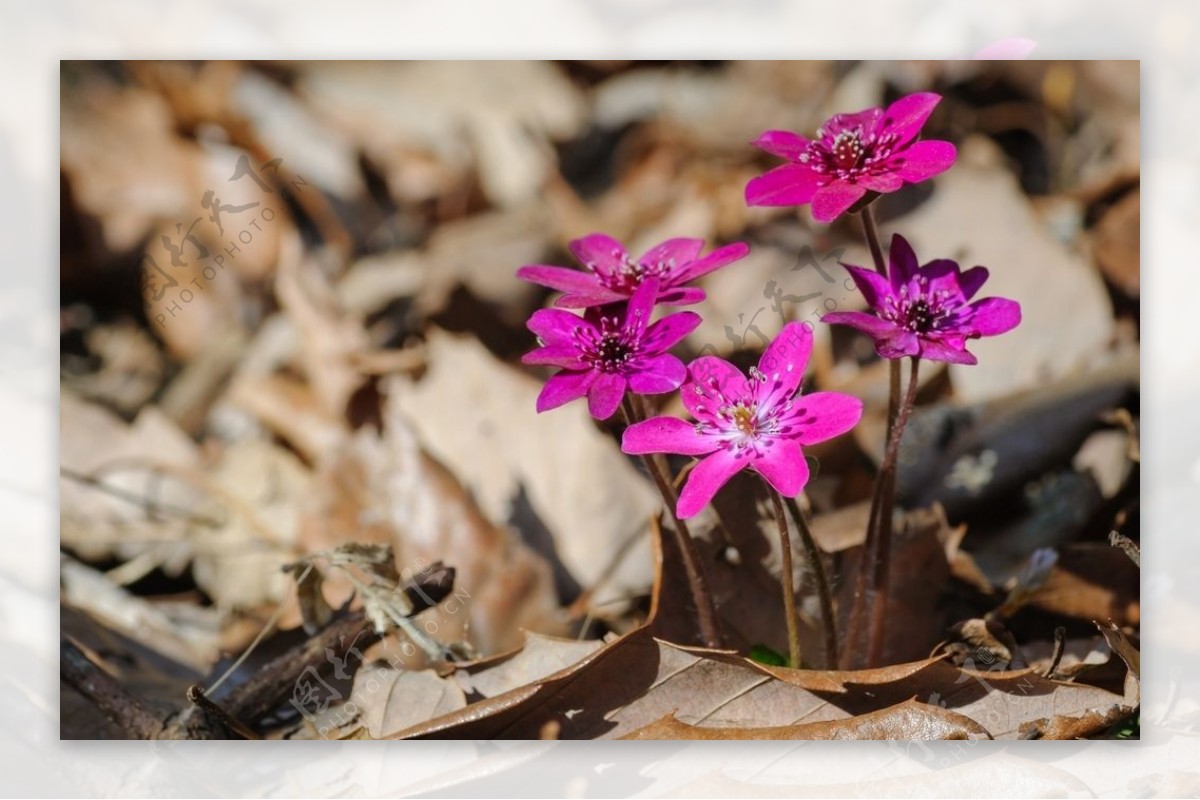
[845, 153]
[752, 420]
[612, 346]
[919, 309]
[848, 149]
[612, 353]
[630, 273]
[743, 418]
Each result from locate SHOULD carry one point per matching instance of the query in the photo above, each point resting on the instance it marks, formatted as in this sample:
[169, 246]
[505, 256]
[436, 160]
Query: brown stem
[706, 612]
[880, 567]
[824, 593]
[789, 590]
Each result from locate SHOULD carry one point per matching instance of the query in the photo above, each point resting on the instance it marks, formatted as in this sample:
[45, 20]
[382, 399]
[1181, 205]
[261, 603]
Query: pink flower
[607, 350]
[873, 150]
[926, 310]
[760, 422]
[612, 275]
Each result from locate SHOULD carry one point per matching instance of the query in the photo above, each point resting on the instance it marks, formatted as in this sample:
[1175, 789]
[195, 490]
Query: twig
[195, 694]
[1117, 539]
[1060, 646]
[125, 709]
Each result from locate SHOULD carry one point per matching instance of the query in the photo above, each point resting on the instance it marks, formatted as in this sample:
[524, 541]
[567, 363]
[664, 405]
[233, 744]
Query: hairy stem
[880, 565]
[855, 646]
[789, 590]
[706, 611]
[871, 234]
[824, 592]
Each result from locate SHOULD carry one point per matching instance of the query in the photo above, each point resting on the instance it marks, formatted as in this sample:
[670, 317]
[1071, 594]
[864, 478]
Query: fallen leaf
[908, 720]
[576, 502]
[638, 679]
[387, 699]
[499, 121]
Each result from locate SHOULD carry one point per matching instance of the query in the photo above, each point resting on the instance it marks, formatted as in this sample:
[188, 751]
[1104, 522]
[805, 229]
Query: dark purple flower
[759, 423]
[873, 150]
[608, 350]
[612, 275]
[926, 310]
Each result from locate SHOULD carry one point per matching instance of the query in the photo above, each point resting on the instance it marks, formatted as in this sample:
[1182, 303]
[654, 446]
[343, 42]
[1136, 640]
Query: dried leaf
[908, 720]
[578, 501]
[314, 610]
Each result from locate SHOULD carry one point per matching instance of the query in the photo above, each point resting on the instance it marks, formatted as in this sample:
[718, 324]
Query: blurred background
[289, 321]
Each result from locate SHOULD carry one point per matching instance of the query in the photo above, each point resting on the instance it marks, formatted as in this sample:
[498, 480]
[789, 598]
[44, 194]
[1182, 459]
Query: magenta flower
[873, 150]
[612, 275]
[606, 350]
[760, 422]
[925, 310]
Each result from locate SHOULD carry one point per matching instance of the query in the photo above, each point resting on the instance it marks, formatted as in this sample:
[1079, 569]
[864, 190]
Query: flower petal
[641, 304]
[559, 278]
[657, 374]
[710, 380]
[902, 262]
[713, 261]
[922, 160]
[783, 466]
[669, 331]
[605, 394]
[555, 326]
[596, 296]
[994, 315]
[784, 144]
[679, 251]
[824, 415]
[972, 281]
[874, 287]
[830, 202]
[789, 185]
[898, 345]
[865, 121]
[906, 116]
[942, 275]
[706, 479]
[954, 352]
[883, 182]
[681, 296]
[867, 323]
[666, 435]
[783, 363]
[563, 388]
[599, 253]
[555, 355]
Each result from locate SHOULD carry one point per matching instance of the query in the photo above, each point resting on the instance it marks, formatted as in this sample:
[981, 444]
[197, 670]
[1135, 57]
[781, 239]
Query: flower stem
[871, 234]
[824, 593]
[789, 590]
[706, 612]
[880, 571]
[856, 648]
